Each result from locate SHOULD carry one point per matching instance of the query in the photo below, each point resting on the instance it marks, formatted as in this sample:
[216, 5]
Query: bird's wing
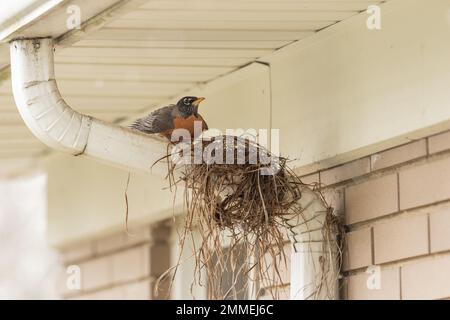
[158, 121]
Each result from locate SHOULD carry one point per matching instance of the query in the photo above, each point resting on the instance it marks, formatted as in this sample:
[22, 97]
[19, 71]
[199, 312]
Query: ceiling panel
[149, 54]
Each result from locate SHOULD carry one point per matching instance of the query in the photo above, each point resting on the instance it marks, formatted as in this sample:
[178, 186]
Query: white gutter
[60, 127]
[314, 270]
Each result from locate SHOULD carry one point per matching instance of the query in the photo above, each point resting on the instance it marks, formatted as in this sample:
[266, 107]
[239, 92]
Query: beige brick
[359, 249]
[389, 285]
[345, 172]
[425, 184]
[159, 258]
[110, 243]
[371, 199]
[440, 230]
[427, 278]
[86, 296]
[137, 235]
[162, 291]
[161, 232]
[137, 291]
[399, 154]
[96, 273]
[82, 297]
[130, 264]
[77, 252]
[123, 240]
[401, 238]
[310, 178]
[439, 142]
[114, 293]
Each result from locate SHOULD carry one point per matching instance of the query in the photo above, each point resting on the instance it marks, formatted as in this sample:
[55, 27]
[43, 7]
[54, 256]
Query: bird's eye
[186, 101]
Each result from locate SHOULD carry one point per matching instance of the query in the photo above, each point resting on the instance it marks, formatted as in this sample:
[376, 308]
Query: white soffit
[152, 51]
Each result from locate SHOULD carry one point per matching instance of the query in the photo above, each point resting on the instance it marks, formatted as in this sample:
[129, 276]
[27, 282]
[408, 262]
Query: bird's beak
[197, 102]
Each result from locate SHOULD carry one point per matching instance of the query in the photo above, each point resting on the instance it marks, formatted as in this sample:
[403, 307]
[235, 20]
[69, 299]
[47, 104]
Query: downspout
[60, 127]
[314, 269]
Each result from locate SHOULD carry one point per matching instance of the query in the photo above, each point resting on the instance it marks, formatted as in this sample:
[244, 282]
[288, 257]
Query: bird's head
[189, 105]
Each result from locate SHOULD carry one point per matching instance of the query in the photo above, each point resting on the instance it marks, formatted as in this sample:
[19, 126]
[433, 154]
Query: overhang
[130, 56]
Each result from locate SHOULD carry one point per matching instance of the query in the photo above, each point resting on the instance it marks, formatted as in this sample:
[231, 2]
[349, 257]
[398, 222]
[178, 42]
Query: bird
[175, 116]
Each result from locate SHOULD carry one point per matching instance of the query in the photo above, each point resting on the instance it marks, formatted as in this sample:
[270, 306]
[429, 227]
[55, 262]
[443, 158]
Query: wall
[333, 96]
[120, 266]
[86, 198]
[339, 91]
[28, 267]
[396, 208]
[342, 99]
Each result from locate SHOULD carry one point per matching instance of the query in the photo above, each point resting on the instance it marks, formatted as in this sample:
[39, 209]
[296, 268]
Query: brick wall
[396, 206]
[397, 212]
[122, 266]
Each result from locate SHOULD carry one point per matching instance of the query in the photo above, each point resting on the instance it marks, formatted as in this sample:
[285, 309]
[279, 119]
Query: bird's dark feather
[156, 122]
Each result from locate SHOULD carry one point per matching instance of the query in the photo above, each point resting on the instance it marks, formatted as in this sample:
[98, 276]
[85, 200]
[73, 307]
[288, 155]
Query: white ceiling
[157, 51]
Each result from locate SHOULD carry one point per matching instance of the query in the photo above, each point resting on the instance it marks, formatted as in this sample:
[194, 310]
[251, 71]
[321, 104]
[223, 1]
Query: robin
[176, 116]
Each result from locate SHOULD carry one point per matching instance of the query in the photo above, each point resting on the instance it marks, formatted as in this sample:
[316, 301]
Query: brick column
[160, 259]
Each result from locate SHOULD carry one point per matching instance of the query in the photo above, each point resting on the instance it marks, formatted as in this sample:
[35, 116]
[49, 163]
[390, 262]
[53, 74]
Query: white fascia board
[16, 15]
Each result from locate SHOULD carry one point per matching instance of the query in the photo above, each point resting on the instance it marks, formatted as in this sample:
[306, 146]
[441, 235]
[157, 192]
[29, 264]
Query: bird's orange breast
[187, 124]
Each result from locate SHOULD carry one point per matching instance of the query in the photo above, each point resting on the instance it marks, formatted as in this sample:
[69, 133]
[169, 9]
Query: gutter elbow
[60, 127]
[38, 99]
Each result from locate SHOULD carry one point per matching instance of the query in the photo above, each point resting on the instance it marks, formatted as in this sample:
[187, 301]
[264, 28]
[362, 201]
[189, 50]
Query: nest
[243, 205]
